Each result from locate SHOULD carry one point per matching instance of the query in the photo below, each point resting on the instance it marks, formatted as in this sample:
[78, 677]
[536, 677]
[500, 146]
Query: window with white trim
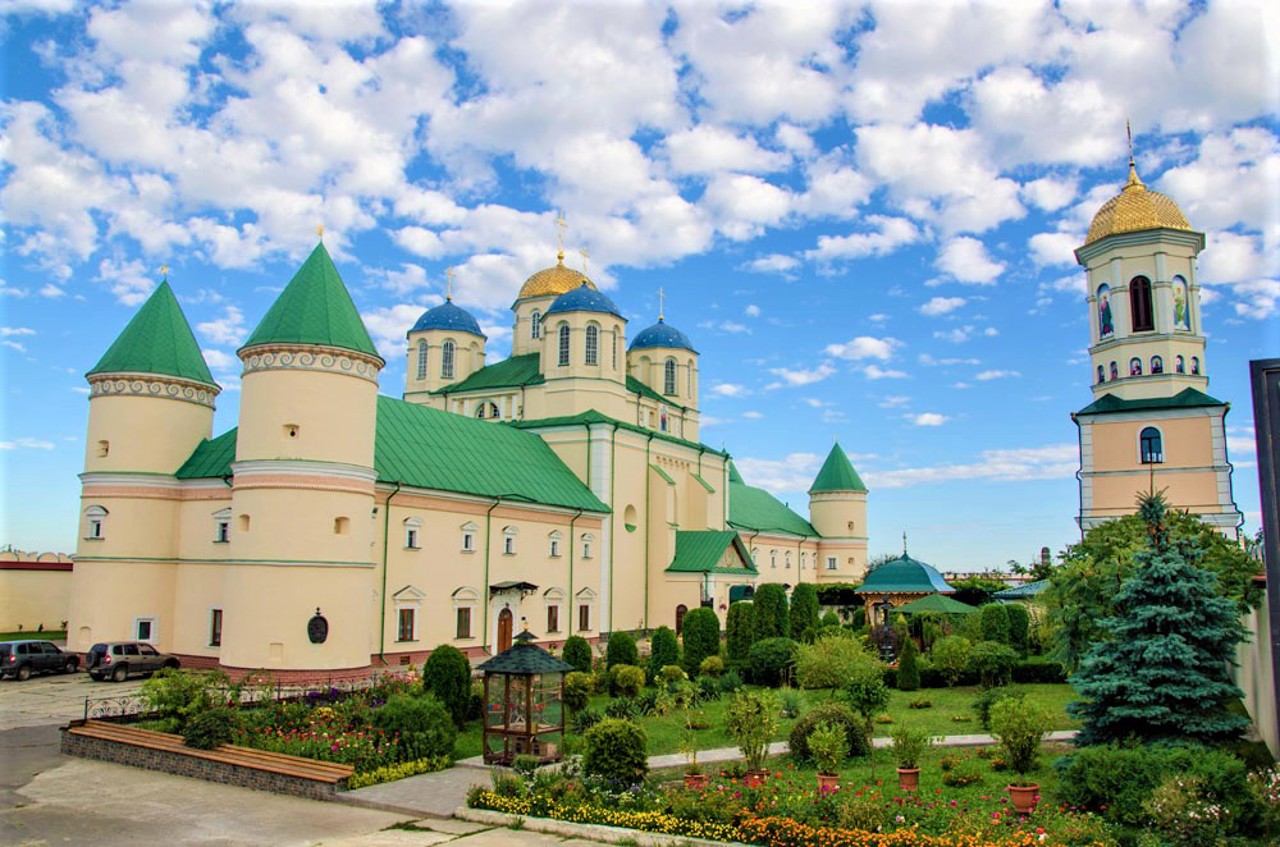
[669, 377]
[222, 526]
[563, 357]
[535, 325]
[469, 537]
[509, 540]
[555, 538]
[145, 629]
[215, 627]
[95, 523]
[554, 600]
[587, 540]
[422, 359]
[788, 560]
[446, 360]
[832, 564]
[773, 558]
[413, 533]
[406, 623]
[465, 601]
[584, 617]
[592, 353]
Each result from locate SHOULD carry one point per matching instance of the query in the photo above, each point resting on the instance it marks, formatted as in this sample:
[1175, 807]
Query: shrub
[825, 663]
[993, 663]
[866, 694]
[827, 713]
[828, 747]
[771, 660]
[672, 674]
[663, 650]
[625, 681]
[731, 682]
[993, 623]
[210, 728]
[909, 745]
[1019, 725]
[804, 610]
[616, 752]
[390, 773]
[708, 688]
[772, 620]
[829, 619]
[712, 666]
[908, 669]
[964, 772]
[740, 632]
[1183, 813]
[920, 703]
[987, 698]
[425, 726]
[701, 636]
[585, 719]
[179, 696]
[1019, 627]
[1039, 670]
[790, 702]
[447, 675]
[751, 719]
[621, 650]
[950, 657]
[577, 652]
[577, 690]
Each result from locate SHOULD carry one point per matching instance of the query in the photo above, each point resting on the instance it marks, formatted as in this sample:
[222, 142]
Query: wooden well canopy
[523, 703]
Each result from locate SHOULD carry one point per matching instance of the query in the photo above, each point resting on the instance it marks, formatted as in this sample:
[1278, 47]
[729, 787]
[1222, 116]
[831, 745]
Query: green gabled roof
[593, 417]
[1022, 592]
[512, 372]
[1187, 398]
[314, 308]
[904, 575]
[427, 448]
[837, 474]
[700, 551]
[157, 340]
[211, 458]
[635, 386]
[759, 511]
[734, 476]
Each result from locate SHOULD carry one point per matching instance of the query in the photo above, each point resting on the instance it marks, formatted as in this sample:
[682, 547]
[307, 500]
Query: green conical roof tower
[837, 474]
[158, 340]
[315, 308]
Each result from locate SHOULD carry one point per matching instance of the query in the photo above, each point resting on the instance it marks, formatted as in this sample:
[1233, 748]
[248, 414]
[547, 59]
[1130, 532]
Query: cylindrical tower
[663, 358]
[838, 511]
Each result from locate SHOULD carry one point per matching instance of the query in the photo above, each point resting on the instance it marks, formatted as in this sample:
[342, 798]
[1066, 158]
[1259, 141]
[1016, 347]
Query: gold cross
[448, 285]
[561, 226]
[320, 232]
[661, 300]
[1129, 132]
[585, 256]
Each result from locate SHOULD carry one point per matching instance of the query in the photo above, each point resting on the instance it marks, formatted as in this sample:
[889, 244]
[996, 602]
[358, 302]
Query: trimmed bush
[625, 681]
[712, 666]
[804, 610]
[993, 663]
[825, 663]
[731, 682]
[829, 619]
[210, 728]
[577, 652]
[447, 675]
[908, 667]
[740, 632]
[1039, 670]
[772, 618]
[1019, 627]
[771, 661]
[426, 728]
[672, 674]
[663, 650]
[701, 638]
[993, 623]
[616, 752]
[837, 714]
[577, 690]
[621, 650]
[950, 657]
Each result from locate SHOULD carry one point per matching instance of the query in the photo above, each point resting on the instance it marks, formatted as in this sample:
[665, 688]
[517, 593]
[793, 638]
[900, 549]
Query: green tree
[772, 620]
[950, 656]
[663, 650]
[447, 675]
[701, 638]
[1082, 591]
[577, 652]
[975, 590]
[804, 610]
[1162, 669]
[1019, 626]
[866, 694]
[621, 650]
[908, 667]
[740, 632]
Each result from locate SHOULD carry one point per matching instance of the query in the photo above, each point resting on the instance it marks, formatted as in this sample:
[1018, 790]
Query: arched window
[1157, 365]
[1152, 451]
[788, 560]
[615, 349]
[563, 358]
[669, 377]
[1140, 304]
[773, 558]
[1115, 371]
[509, 540]
[1135, 366]
[681, 611]
[95, 523]
[1102, 377]
[485, 409]
[593, 345]
[422, 359]
[1179, 365]
[1195, 365]
[689, 394]
[535, 325]
[446, 360]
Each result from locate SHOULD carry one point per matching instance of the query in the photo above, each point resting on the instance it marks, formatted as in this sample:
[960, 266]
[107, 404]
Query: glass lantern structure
[523, 703]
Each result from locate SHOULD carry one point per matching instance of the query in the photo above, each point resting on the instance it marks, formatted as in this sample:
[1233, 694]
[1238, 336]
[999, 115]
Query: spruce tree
[1163, 670]
[908, 666]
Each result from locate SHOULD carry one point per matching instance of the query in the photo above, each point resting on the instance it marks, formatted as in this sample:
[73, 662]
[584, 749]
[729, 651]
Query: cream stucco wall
[140, 434]
[1255, 676]
[31, 596]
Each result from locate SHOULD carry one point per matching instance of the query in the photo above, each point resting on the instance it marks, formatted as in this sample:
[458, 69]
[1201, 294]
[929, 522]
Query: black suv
[118, 659]
[21, 659]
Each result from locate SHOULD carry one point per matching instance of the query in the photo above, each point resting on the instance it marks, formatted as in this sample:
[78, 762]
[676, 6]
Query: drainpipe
[648, 527]
[613, 506]
[488, 523]
[382, 625]
[570, 610]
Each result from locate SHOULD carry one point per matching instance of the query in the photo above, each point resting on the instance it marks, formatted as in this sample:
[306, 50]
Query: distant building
[35, 590]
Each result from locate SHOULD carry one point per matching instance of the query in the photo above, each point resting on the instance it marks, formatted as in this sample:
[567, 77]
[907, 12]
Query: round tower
[663, 358]
[445, 347]
[536, 296]
[583, 334]
[838, 511]
[303, 485]
[151, 402]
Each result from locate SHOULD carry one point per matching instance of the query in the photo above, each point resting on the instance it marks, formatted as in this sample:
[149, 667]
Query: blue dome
[662, 335]
[448, 316]
[584, 299]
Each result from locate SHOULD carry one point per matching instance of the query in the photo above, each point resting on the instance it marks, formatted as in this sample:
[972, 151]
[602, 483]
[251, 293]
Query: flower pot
[695, 780]
[828, 782]
[1024, 797]
[755, 778]
[908, 778]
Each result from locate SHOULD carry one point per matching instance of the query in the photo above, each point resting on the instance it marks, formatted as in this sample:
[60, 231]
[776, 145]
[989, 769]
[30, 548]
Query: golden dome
[1135, 209]
[553, 281]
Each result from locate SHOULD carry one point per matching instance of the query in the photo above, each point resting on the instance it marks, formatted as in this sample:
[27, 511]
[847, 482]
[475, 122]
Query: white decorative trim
[134, 480]
[250, 468]
[153, 385]
[274, 357]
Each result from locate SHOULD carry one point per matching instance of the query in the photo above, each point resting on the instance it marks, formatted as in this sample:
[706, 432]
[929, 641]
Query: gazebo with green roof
[898, 582]
[523, 703]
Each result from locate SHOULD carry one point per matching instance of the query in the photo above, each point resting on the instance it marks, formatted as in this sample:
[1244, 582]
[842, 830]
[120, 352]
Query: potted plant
[751, 719]
[693, 775]
[909, 745]
[828, 745]
[1019, 725]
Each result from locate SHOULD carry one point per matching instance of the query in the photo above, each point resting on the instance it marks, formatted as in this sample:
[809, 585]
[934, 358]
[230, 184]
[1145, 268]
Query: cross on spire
[904, 542]
[164, 273]
[1128, 129]
[320, 232]
[585, 256]
[561, 226]
[661, 304]
[448, 283]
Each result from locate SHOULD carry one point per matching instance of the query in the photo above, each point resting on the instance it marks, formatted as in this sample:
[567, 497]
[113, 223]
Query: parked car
[118, 659]
[20, 659]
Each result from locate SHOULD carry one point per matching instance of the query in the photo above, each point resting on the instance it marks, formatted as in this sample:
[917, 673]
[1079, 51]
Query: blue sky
[861, 213]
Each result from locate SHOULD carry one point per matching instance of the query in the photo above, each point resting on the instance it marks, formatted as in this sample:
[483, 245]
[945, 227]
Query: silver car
[116, 660]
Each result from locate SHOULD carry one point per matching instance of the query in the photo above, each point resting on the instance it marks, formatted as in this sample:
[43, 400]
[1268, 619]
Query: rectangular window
[553, 619]
[215, 627]
[586, 549]
[563, 358]
[555, 548]
[831, 563]
[509, 545]
[95, 528]
[145, 629]
[468, 542]
[584, 617]
[464, 622]
[405, 619]
[411, 539]
[223, 532]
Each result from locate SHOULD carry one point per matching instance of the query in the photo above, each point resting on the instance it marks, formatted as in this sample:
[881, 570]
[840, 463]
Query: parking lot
[54, 698]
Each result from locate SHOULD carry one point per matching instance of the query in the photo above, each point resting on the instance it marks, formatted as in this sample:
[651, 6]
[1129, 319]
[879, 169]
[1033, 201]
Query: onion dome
[584, 298]
[450, 317]
[1135, 209]
[554, 281]
[662, 334]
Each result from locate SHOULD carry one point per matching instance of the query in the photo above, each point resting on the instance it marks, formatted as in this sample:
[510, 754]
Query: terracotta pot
[1024, 797]
[755, 779]
[828, 782]
[908, 778]
[695, 780]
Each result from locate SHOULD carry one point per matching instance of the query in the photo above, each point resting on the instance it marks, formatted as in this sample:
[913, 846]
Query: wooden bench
[228, 754]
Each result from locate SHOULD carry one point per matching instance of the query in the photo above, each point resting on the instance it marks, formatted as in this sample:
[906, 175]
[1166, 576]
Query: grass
[33, 635]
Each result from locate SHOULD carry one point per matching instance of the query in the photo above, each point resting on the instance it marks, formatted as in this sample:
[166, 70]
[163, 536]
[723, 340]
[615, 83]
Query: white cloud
[928, 419]
[890, 234]
[774, 263]
[26, 444]
[14, 345]
[894, 401]
[51, 291]
[753, 415]
[794, 472]
[800, 376]
[1055, 461]
[228, 329]
[941, 306]
[743, 205]
[7, 331]
[876, 372]
[1050, 194]
[388, 326]
[219, 361]
[1054, 248]
[864, 347]
[966, 260]
[730, 389]
[1260, 299]
[402, 280]
[986, 376]
[710, 149]
[752, 310]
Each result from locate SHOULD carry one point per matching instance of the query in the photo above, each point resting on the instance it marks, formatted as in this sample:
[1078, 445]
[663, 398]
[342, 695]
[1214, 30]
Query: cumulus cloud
[864, 347]
[1054, 461]
[941, 306]
[928, 419]
[228, 329]
[790, 378]
[877, 372]
[966, 260]
[729, 389]
[890, 234]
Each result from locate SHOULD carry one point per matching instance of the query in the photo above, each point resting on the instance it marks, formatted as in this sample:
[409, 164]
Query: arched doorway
[680, 612]
[504, 630]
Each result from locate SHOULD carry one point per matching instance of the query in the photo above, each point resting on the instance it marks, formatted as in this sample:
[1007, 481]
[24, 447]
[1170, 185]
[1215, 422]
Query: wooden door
[504, 630]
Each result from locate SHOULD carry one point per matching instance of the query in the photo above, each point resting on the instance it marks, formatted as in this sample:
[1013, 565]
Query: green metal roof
[314, 308]
[512, 372]
[734, 476]
[904, 575]
[663, 474]
[1187, 398]
[757, 510]
[938, 604]
[524, 658]
[1022, 592]
[700, 551]
[593, 417]
[698, 479]
[427, 448]
[837, 474]
[635, 386]
[157, 340]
